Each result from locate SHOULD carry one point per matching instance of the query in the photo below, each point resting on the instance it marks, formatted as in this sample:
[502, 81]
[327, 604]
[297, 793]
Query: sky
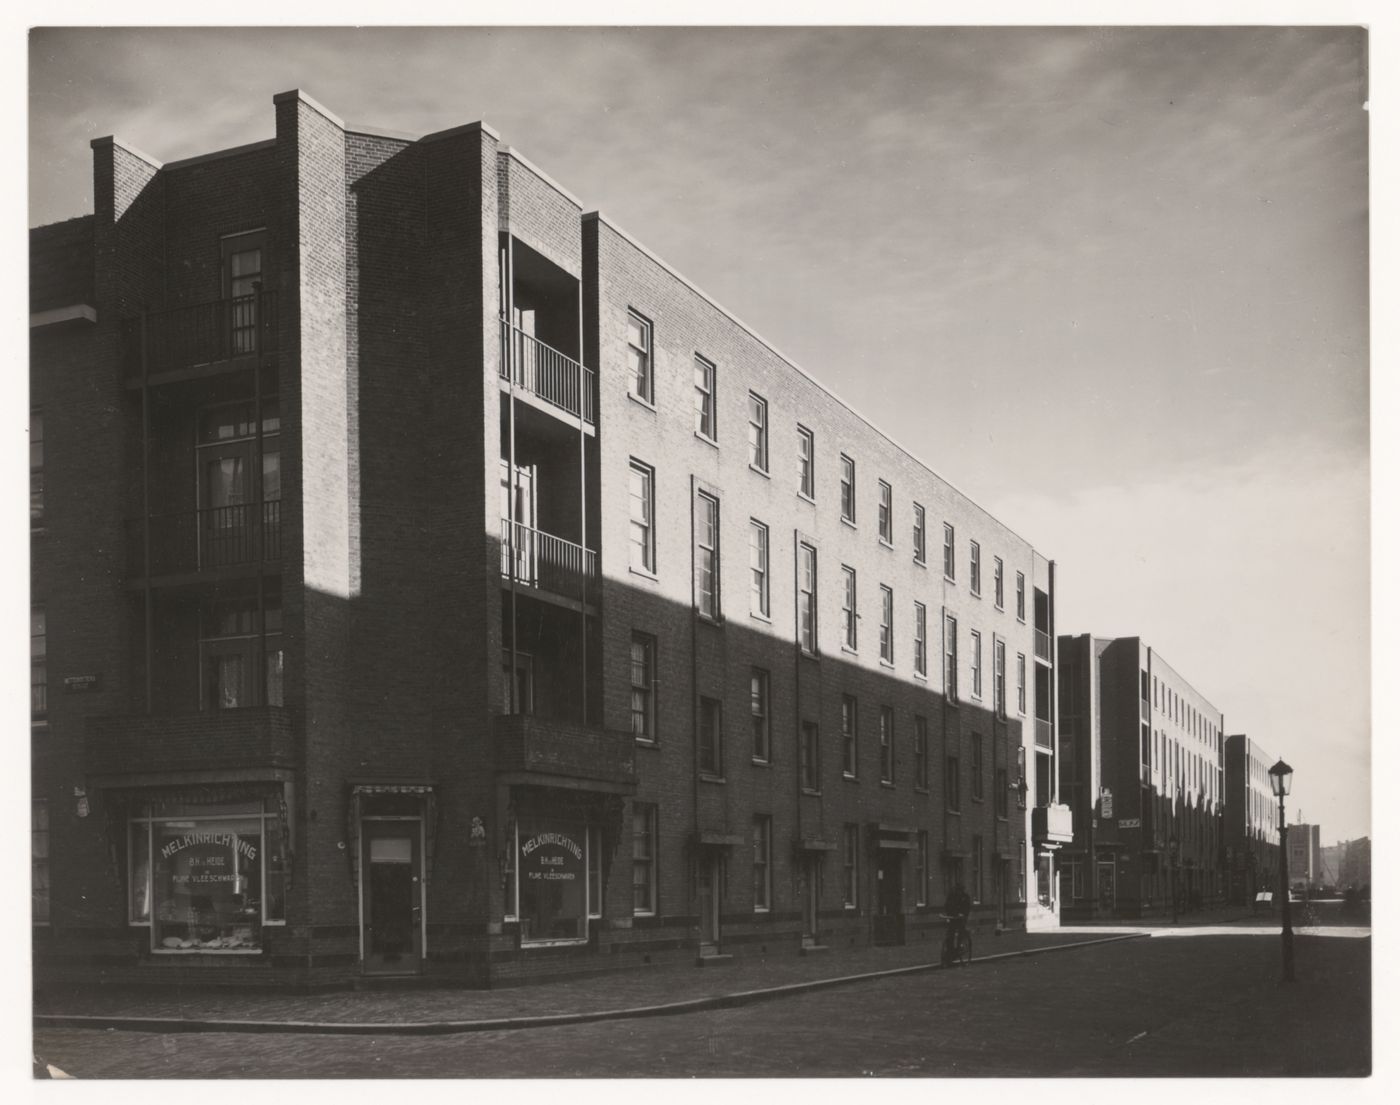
[1112, 283]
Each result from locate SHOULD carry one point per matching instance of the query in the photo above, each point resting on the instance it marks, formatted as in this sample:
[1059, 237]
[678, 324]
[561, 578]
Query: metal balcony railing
[548, 563]
[542, 370]
[201, 334]
[1042, 645]
[203, 540]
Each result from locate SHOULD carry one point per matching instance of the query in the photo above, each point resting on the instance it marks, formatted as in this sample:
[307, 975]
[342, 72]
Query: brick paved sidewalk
[630, 989]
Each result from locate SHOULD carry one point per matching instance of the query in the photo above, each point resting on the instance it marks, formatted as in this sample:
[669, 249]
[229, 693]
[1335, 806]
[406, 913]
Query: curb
[502, 1024]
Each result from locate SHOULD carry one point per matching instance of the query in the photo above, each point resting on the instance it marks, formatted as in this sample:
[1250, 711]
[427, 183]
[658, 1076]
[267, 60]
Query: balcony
[1042, 645]
[548, 564]
[1052, 824]
[544, 372]
[1044, 734]
[200, 336]
[198, 541]
[570, 750]
[252, 738]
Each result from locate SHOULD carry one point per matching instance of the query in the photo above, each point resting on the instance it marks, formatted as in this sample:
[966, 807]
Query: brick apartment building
[1251, 820]
[1305, 857]
[1142, 771]
[428, 580]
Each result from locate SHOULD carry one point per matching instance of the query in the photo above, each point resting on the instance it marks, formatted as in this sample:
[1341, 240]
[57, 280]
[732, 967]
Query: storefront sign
[1130, 823]
[1105, 803]
[82, 684]
[551, 857]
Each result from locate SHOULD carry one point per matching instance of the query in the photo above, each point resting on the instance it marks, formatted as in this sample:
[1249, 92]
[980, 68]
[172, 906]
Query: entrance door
[889, 898]
[523, 536]
[811, 896]
[391, 883]
[1108, 890]
[243, 274]
[707, 902]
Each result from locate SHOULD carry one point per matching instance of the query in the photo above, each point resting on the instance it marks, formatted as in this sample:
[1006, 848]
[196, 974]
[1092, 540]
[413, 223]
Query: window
[758, 568]
[593, 844]
[807, 597]
[952, 791]
[950, 658]
[920, 752]
[642, 530]
[704, 398]
[850, 857]
[759, 711]
[886, 513]
[950, 568]
[999, 677]
[711, 737]
[806, 463]
[229, 646]
[1021, 683]
[707, 555]
[639, 356]
[38, 663]
[975, 566]
[643, 666]
[1021, 783]
[39, 861]
[886, 624]
[1020, 872]
[920, 639]
[758, 432]
[1021, 596]
[886, 744]
[976, 664]
[849, 617]
[920, 535]
[849, 723]
[848, 489]
[762, 865]
[36, 467]
[998, 582]
[1000, 786]
[921, 870]
[977, 792]
[810, 756]
[976, 888]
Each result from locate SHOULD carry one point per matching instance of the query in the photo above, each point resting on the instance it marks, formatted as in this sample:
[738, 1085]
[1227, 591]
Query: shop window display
[551, 872]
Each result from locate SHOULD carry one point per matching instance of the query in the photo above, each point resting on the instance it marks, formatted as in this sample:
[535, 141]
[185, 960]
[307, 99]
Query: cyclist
[957, 908]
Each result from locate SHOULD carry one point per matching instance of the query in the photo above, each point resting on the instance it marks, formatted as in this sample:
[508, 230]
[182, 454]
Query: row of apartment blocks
[428, 580]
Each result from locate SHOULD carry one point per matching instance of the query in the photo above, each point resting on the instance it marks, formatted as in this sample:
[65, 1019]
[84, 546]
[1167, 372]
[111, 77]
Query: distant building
[1356, 864]
[1141, 769]
[1251, 820]
[1305, 857]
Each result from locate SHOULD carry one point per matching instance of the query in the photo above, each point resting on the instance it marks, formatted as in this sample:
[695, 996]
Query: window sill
[849, 522]
[645, 404]
[647, 742]
[949, 579]
[920, 562]
[553, 943]
[759, 471]
[976, 594]
[760, 617]
[921, 676]
[761, 762]
[885, 543]
[887, 784]
[1000, 607]
[811, 793]
[644, 573]
[849, 651]
[707, 778]
[807, 499]
[711, 442]
[920, 790]
[887, 663]
[850, 778]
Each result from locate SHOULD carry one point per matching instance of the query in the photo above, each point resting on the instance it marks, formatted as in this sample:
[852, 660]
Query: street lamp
[1281, 779]
[1173, 847]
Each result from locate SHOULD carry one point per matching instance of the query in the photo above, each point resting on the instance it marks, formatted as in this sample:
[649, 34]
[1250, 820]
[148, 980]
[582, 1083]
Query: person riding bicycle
[957, 908]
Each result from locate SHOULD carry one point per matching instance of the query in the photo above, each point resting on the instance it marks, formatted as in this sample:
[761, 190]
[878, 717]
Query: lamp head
[1281, 779]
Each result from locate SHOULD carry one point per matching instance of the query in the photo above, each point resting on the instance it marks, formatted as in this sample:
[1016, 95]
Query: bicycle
[962, 952]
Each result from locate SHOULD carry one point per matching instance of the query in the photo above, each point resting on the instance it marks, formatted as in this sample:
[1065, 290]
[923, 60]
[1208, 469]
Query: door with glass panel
[708, 890]
[518, 505]
[391, 886]
[236, 528]
[811, 896]
[242, 279]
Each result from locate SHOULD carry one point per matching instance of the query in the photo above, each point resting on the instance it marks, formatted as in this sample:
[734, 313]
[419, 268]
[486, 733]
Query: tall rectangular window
[952, 789]
[848, 489]
[807, 598]
[920, 535]
[920, 639]
[977, 791]
[850, 865]
[759, 711]
[975, 567]
[950, 658]
[976, 664]
[230, 645]
[711, 737]
[36, 467]
[758, 568]
[806, 463]
[758, 432]
[950, 566]
[1000, 789]
[886, 513]
[809, 756]
[998, 582]
[643, 669]
[639, 356]
[921, 869]
[707, 555]
[38, 663]
[849, 722]
[39, 860]
[762, 863]
[850, 633]
[1021, 596]
[1020, 778]
[641, 492]
[886, 624]
[976, 888]
[1021, 683]
[920, 752]
[886, 744]
[999, 677]
[704, 398]
[643, 858]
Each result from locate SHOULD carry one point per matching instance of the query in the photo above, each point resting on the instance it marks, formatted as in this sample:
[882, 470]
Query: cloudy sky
[1111, 283]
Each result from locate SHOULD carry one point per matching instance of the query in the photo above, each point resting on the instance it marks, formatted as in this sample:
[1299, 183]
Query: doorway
[391, 895]
[709, 881]
[1108, 889]
[889, 898]
[811, 897]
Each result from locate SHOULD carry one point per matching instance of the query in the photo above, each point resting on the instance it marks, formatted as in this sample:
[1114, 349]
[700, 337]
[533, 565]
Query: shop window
[643, 858]
[553, 867]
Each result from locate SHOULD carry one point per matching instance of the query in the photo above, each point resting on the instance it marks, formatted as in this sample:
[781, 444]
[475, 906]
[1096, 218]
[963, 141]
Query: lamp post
[1281, 779]
[1173, 846]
